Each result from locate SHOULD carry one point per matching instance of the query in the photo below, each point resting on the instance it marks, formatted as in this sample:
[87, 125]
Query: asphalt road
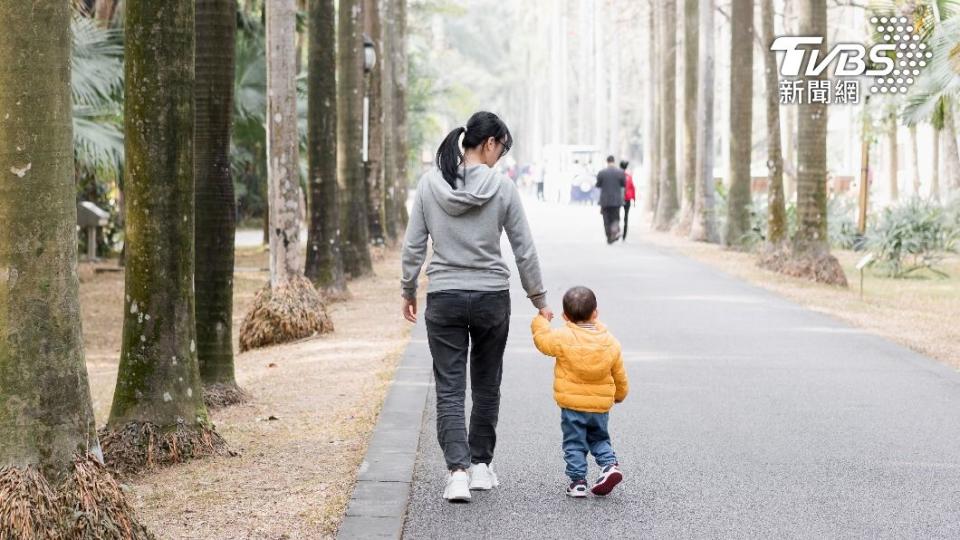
[749, 416]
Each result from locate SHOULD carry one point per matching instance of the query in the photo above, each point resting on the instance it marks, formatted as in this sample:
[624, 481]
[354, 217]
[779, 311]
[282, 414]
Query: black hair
[579, 303]
[611, 159]
[481, 126]
[624, 164]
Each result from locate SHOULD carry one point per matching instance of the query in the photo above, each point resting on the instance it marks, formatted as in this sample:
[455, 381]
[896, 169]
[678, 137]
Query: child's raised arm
[543, 336]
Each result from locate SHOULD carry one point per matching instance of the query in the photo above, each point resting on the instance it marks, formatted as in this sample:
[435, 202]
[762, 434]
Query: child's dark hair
[624, 164]
[579, 303]
[481, 126]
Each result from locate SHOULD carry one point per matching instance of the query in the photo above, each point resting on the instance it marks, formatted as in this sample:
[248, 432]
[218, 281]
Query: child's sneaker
[482, 477]
[577, 488]
[458, 487]
[610, 477]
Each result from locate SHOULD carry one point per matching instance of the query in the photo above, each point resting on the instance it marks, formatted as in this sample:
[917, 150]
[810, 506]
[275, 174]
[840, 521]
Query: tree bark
[741, 121]
[914, 161]
[704, 227]
[324, 259]
[215, 59]
[390, 136]
[350, 87]
[46, 416]
[812, 139]
[690, 53]
[667, 204]
[935, 177]
[893, 163]
[159, 380]
[105, 11]
[374, 165]
[951, 152]
[653, 50]
[789, 121]
[400, 111]
[283, 180]
[776, 205]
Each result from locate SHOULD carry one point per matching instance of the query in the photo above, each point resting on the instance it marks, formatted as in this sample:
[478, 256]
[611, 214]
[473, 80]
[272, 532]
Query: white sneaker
[482, 477]
[458, 487]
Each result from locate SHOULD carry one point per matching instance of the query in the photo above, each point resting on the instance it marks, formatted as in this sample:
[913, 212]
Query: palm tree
[652, 135]
[704, 227]
[353, 221]
[390, 136]
[375, 154]
[777, 213]
[667, 203]
[810, 255]
[690, 53]
[214, 63]
[158, 414]
[324, 261]
[289, 307]
[51, 475]
[741, 121]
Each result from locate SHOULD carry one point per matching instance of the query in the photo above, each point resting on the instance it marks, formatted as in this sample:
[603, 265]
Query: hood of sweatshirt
[481, 184]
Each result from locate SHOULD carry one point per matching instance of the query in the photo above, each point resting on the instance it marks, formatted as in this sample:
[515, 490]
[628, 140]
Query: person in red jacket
[629, 195]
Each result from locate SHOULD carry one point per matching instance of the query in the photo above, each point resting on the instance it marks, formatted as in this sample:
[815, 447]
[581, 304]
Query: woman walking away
[629, 195]
[464, 206]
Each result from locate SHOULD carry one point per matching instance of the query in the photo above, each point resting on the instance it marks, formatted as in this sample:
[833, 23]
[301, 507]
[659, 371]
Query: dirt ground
[919, 312]
[302, 437]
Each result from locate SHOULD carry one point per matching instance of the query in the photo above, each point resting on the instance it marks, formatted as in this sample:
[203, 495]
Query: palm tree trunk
[374, 164]
[399, 61]
[704, 227]
[667, 204]
[789, 121]
[893, 159]
[105, 10]
[812, 139]
[653, 48]
[158, 382]
[741, 121]
[283, 183]
[46, 415]
[777, 213]
[289, 308]
[350, 84]
[216, 210]
[690, 53]
[935, 176]
[951, 152]
[390, 136]
[914, 161]
[324, 260]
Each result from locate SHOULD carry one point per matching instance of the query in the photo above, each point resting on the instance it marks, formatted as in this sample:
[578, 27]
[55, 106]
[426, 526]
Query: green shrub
[841, 223]
[911, 236]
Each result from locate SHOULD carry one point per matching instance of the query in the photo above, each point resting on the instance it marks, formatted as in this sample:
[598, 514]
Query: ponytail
[449, 156]
[480, 127]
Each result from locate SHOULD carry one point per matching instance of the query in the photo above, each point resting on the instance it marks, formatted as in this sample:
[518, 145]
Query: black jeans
[626, 218]
[458, 321]
[611, 222]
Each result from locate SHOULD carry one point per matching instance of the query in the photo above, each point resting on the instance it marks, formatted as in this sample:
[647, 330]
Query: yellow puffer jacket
[589, 374]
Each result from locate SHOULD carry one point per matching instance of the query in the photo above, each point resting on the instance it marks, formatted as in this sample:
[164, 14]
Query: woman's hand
[409, 309]
[547, 313]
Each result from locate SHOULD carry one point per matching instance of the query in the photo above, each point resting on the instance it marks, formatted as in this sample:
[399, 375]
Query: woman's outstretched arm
[525, 252]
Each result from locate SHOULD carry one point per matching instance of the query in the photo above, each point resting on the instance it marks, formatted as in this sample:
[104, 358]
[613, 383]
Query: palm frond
[96, 63]
[97, 138]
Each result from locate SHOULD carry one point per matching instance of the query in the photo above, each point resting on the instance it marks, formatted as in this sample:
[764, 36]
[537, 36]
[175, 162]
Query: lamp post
[369, 61]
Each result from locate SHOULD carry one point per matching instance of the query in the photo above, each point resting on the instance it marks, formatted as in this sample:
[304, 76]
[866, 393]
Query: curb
[378, 506]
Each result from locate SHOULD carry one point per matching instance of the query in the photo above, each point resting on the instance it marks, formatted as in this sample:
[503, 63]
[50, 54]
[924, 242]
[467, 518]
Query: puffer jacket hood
[481, 184]
[589, 374]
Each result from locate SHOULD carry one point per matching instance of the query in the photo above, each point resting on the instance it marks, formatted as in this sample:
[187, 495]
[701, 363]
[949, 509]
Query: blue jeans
[585, 432]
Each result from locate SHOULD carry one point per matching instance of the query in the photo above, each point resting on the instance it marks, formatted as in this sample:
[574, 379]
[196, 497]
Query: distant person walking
[612, 181]
[629, 195]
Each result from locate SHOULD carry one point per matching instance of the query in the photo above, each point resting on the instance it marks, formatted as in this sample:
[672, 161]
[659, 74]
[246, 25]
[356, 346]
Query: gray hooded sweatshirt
[465, 225]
